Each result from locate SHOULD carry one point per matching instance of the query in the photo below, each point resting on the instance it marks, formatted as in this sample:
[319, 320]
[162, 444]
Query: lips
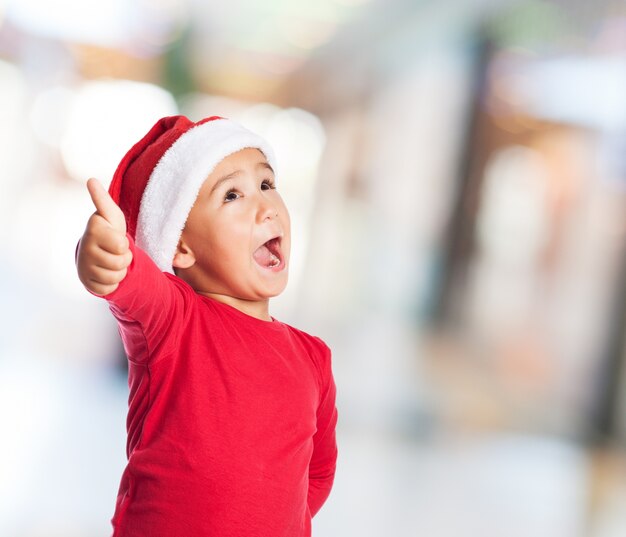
[269, 255]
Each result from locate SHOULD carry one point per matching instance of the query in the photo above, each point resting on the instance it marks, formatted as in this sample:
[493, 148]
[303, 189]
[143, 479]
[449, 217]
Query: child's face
[224, 247]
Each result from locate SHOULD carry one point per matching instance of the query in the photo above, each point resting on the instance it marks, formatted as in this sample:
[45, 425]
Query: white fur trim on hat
[176, 180]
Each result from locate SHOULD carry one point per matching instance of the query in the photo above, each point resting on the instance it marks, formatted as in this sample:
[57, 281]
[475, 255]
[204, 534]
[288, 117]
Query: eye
[268, 184]
[231, 195]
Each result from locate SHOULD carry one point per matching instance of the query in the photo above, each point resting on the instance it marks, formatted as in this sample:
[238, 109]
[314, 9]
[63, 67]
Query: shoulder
[317, 349]
[314, 342]
[181, 286]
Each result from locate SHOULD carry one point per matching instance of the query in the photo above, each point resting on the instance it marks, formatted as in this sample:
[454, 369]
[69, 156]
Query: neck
[254, 308]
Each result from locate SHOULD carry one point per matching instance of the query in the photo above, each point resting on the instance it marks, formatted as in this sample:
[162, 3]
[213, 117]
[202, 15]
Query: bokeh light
[93, 142]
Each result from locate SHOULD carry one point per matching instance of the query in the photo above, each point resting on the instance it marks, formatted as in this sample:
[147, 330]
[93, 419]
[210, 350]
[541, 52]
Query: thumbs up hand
[104, 253]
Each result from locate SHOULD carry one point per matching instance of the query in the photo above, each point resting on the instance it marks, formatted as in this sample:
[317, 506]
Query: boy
[231, 421]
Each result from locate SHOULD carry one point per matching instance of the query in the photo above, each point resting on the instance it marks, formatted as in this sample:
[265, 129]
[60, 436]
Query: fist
[103, 254]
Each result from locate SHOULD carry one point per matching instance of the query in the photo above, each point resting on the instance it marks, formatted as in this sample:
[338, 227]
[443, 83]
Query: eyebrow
[223, 180]
[265, 165]
[234, 174]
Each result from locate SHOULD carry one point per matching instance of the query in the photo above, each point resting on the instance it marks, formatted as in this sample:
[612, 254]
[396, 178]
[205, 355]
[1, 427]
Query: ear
[184, 257]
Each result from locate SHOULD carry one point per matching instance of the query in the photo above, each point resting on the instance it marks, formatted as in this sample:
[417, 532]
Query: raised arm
[145, 301]
[104, 252]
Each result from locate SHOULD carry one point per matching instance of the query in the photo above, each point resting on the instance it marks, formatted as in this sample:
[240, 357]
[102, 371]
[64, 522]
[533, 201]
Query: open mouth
[269, 255]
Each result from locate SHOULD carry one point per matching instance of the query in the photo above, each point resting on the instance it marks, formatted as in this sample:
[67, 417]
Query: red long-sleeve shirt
[231, 420]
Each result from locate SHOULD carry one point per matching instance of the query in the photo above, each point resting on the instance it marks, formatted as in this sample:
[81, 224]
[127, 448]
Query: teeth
[274, 261]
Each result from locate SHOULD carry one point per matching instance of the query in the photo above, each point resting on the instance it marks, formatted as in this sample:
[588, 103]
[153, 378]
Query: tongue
[262, 256]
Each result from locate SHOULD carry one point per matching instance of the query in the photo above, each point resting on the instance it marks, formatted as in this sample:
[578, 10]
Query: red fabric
[132, 174]
[231, 421]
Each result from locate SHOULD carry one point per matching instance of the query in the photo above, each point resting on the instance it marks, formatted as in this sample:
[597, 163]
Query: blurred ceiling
[273, 49]
[223, 45]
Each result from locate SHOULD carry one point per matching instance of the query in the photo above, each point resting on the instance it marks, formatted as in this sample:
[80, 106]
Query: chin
[275, 290]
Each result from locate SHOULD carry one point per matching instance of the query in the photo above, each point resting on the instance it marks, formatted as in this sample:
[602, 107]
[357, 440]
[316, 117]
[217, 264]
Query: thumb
[105, 206]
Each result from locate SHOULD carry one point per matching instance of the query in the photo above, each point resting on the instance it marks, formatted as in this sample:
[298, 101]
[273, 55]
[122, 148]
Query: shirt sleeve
[148, 305]
[324, 458]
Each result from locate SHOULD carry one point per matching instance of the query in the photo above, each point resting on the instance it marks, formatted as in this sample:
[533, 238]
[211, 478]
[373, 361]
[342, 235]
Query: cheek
[228, 240]
[286, 218]
[206, 242]
[218, 248]
[287, 221]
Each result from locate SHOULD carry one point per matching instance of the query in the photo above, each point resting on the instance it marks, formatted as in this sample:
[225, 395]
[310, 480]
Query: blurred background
[456, 175]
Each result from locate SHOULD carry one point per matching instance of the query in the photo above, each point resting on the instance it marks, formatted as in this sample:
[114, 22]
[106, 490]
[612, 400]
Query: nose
[266, 209]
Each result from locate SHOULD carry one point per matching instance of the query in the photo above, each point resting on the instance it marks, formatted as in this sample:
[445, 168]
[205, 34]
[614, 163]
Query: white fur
[174, 183]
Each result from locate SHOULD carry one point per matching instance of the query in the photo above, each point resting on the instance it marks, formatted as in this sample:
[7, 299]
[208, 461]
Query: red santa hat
[158, 180]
